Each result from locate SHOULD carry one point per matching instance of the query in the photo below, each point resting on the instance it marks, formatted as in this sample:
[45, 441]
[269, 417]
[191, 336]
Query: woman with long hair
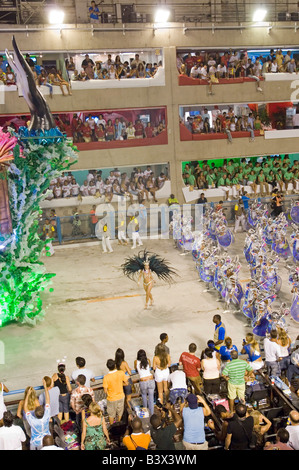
[146, 380]
[32, 404]
[57, 80]
[62, 381]
[94, 435]
[161, 364]
[218, 126]
[143, 192]
[261, 425]
[251, 348]
[284, 342]
[141, 70]
[121, 364]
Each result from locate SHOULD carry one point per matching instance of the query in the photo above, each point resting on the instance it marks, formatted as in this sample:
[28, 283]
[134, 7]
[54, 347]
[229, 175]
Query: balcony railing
[215, 11]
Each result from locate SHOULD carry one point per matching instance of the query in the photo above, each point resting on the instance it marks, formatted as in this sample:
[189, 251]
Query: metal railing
[214, 11]
[68, 232]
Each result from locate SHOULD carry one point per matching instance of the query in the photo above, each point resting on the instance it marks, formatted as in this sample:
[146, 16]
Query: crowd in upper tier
[111, 68]
[233, 64]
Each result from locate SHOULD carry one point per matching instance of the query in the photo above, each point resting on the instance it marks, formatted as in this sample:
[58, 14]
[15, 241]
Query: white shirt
[143, 372]
[294, 436]
[11, 438]
[75, 189]
[233, 58]
[102, 121]
[222, 68]
[84, 190]
[66, 191]
[86, 372]
[257, 69]
[177, 379]
[92, 190]
[100, 186]
[91, 123]
[272, 350]
[90, 177]
[194, 71]
[203, 72]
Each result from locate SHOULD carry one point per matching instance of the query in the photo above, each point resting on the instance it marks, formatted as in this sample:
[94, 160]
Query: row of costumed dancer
[266, 243]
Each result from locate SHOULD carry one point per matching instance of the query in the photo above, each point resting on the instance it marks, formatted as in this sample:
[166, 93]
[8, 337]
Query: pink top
[211, 370]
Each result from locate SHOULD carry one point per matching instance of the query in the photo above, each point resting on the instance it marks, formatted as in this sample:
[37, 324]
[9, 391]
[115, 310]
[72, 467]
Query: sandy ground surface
[94, 310]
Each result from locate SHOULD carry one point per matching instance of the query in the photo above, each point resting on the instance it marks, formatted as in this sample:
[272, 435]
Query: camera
[159, 405]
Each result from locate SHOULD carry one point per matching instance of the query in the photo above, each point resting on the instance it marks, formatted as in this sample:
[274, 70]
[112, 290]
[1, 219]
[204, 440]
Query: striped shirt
[235, 370]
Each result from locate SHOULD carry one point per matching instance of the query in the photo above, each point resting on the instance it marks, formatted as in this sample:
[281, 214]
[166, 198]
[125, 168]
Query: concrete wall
[82, 37]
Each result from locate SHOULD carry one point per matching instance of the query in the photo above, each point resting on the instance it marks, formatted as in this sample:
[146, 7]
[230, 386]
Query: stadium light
[161, 16]
[259, 15]
[56, 17]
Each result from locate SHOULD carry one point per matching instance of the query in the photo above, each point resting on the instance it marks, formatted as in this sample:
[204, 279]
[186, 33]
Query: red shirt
[190, 61]
[138, 129]
[110, 130]
[74, 124]
[148, 131]
[94, 218]
[100, 133]
[86, 131]
[191, 364]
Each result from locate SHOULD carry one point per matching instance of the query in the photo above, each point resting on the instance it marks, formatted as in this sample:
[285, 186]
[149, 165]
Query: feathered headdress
[132, 266]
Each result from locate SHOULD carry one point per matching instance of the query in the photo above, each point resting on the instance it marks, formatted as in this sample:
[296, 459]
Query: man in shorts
[113, 384]
[235, 372]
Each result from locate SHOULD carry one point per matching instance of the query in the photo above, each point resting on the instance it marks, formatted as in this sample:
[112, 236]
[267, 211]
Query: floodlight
[162, 15]
[56, 16]
[259, 15]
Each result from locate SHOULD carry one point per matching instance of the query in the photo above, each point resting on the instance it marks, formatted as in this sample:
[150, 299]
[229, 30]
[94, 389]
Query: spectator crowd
[262, 176]
[102, 130]
[113, 68]
[235, 64]
[142, 183]
[218, 122]
[203, 401]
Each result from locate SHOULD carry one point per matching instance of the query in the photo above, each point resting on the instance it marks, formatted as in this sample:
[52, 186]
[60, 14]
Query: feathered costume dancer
[261, 320]
[254, 251]
[254, 213]
[233, 291]
[249, 307]
[270, 319]
[294, 281]
[205, 264]
[295, 244]
[144, 266]
[294, 212]
[220, 275]
[280, 243]
[181, 229]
